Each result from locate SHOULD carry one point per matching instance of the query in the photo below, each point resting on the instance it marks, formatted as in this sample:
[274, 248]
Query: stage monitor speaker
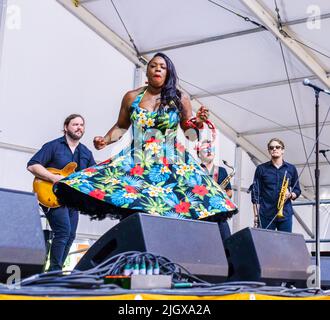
[195, 245]
[21, 237]
[268, 256]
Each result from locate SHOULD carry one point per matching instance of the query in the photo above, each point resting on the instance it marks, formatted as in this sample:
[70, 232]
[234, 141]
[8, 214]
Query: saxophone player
[206, 153]
[274, 188]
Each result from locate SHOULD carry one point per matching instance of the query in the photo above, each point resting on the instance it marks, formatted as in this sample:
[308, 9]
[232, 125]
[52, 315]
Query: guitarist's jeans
[63, 222]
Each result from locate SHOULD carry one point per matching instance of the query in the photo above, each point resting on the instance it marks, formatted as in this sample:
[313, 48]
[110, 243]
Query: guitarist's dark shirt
[57, 154]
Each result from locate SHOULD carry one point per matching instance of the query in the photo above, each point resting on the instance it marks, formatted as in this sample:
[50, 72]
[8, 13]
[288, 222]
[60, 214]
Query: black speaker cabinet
[195, 245]
[267, 256]
[21, 237]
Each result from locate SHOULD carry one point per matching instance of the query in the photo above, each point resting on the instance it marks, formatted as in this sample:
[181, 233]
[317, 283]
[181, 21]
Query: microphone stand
[317, 90]
[317, 193]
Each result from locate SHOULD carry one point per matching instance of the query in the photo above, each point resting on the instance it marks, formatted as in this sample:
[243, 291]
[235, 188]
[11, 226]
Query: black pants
[64, 222]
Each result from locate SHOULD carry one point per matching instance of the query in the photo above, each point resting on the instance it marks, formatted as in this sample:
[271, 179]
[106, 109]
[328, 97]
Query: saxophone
[281, 197]
[225, 181]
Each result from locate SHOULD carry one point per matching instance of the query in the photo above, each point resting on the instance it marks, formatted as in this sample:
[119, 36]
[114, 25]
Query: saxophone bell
[225, 182]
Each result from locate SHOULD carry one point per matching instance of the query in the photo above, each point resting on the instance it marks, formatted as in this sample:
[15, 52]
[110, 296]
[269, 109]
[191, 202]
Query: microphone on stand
[324, 151]
[308, 83]
[324, 154]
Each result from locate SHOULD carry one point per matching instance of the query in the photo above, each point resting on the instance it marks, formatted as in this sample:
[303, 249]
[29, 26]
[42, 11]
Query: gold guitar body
[44, 189]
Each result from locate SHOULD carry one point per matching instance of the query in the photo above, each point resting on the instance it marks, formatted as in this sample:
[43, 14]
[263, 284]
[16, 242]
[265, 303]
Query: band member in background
[57, 154]
[275, 182]
[206, 152]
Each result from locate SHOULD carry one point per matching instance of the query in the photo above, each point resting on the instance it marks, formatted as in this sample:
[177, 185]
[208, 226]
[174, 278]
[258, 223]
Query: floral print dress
[155, 175]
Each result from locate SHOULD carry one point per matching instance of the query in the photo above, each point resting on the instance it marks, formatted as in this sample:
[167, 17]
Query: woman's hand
[202, 115]
[99, 142]
[56, 177]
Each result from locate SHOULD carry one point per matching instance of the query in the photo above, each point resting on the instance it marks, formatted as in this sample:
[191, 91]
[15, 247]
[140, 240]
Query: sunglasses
[207, 150]
[274, 147]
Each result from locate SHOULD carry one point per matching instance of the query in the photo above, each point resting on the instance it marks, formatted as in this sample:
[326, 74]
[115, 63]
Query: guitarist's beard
[75, 136]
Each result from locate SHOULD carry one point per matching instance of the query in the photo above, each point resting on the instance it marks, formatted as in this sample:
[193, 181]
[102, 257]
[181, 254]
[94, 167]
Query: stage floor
[264, 293]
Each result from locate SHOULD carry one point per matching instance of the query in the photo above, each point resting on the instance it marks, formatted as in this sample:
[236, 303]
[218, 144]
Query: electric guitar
[44, 189]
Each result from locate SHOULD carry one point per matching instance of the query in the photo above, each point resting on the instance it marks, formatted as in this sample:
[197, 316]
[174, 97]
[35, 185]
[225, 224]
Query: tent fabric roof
[236, 68]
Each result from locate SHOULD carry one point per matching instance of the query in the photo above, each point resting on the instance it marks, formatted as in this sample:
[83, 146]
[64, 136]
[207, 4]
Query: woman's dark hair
[170, 94]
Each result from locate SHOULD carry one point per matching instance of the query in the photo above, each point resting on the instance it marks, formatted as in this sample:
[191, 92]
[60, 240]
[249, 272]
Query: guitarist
[57, 154]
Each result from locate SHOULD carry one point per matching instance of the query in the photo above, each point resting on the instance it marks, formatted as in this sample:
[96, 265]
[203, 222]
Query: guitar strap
[43, 208]
[79, 158]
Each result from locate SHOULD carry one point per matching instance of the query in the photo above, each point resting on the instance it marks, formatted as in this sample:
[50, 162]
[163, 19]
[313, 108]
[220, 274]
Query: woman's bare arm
[122, 124]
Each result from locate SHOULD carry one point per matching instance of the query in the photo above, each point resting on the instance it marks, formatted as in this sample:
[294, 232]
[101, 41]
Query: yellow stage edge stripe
[143, 296]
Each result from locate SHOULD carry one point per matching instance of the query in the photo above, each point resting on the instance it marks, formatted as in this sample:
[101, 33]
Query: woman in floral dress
[155, 174]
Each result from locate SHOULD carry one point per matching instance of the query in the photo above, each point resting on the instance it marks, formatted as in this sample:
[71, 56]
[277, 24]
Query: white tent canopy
[236, 67]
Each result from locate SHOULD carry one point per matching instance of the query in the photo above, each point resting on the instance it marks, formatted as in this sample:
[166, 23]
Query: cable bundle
[127, 263]
[91, 282]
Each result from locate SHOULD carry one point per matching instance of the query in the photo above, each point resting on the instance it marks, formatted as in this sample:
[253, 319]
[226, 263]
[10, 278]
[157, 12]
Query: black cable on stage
[79, 287]
[94, 278]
